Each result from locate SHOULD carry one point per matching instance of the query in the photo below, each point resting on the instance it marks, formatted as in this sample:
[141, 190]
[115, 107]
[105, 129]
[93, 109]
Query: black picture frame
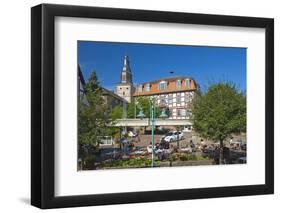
[43, 102]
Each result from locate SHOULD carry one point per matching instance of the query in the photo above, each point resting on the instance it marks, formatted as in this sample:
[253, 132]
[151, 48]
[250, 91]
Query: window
[147, 87]
[170, 100]
[178, 83]
[163, 101]
[188, 114]
[178, 99]
[181, 112]
[187, 83]
[162, 85]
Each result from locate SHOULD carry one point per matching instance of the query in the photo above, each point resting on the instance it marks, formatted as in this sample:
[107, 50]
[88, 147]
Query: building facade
[174, 94]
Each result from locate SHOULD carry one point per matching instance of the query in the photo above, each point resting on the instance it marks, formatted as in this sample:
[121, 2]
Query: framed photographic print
[139, 106]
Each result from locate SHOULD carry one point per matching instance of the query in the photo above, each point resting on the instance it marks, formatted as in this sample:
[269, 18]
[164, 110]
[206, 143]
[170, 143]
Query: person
[217, 155]
[149, 148]
[164, 144]
[157, 146]
[160, 154]
[226, 155]
[191, 144]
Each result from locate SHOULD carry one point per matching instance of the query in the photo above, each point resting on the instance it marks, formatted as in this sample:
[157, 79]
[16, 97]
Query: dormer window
[147, 87]
[187, 83]
[162, 85]
[178, 83]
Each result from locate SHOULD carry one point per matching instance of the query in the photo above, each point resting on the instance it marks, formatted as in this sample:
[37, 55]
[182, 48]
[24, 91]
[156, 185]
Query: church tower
[125, 87]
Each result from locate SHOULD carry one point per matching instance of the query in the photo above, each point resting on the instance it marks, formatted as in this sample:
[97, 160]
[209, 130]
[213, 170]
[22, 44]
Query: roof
[81, 77]
[111, 93]
[170, 89]
[136, 94]
[167, 79]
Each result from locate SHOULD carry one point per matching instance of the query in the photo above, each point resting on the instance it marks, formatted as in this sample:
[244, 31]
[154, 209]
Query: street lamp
[163, 114]
[152, 124]
[135, 111]
[141, 115]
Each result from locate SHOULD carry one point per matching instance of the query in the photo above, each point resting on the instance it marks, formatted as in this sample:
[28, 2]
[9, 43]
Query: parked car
[238, 145]
[173, 136]
[186, 149]
[242, 160]
[187, 129]
[243, 146]
[132, 134]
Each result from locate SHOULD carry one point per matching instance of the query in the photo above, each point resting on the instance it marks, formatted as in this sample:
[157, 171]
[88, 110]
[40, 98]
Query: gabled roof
[112, 94]
[169, 79]
[171, 87]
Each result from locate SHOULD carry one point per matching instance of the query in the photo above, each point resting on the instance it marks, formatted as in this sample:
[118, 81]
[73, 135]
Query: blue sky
[152, 61]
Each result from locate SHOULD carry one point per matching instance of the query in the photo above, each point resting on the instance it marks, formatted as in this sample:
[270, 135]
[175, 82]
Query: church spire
[126, 74]
[126, 65]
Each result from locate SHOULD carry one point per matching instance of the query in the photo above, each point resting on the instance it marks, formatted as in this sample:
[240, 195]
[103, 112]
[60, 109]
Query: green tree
[131, 109]
[144, 103]
[116, 113]
[93, 113]
[220, 112]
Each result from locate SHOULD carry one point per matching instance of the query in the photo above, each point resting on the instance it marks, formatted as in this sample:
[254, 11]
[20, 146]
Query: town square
[159, 122]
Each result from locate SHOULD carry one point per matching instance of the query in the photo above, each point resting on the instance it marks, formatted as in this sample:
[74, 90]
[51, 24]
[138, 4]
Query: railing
[158, 122]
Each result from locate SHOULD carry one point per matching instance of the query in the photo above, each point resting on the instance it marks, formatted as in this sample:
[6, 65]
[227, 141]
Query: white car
[173, 136]
[187, 129]
[132, 134]
[186, 149]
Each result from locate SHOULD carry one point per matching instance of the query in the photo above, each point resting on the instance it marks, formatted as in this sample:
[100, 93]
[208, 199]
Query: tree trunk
[221, 152]
[120, 136]
[178, 140]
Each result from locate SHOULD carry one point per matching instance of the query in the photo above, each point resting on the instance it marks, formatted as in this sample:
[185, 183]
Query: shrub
[90, 159]
[184, 157]
[175, 156]
[192, 157]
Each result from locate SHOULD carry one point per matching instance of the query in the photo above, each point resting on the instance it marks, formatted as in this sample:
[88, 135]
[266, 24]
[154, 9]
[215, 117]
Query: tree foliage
[144, 104]
[93, 113]
[131, 109]
[220, 112]
[116, 113]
